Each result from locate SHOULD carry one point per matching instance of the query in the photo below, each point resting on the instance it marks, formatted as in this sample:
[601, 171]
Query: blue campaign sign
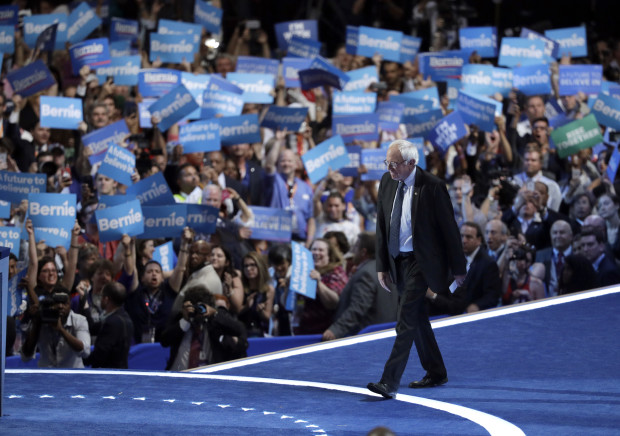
[290, 70]
[321, 64]
[35, 24]
[307, 29]
[447, 131]
[257, 88]
[122, 29]
[155, 82]
[476, 110]
[409, 48]
[452, 91]
[351, 40]
[486, 79]
[172, 48]
[271, 224]
[173, 106]
[7, 39]
[355, 159]
[164, 221]
[372, 159]
[444, 65]
[165, 255]
[5, 209]
[202, 218]
[93, 52]
[532, 79]
[124, 70]
[196, 84]
[303, 48]
[171, 27]
[55, 236]
[121, 48]
[208, 16]
[573, 41]
[521, 51]
[481, 39]
[301, 266]
[219, 84]
[94, 159]
[32, 78]
[10, 238]
[360, 79]
[612, 166]
[580, 78]
[144, 114]
[551, 46]
[363, 127]
[51, 209]
[152, 191]
[15, 187]
[253, 64]
[239, 130]
[118, 164]
[371, 41]
[282, 117]
[328, 154]
[113, 200]
[610, 88]
[606, 109]
[124, 219]
[346, 103]
[419, 144]
[47, 39]
[201, 135]
[222, 103]
[60, 112]
[430, 94]
[390, 114]
[420, 124]
[9, 15]
[412, 107]
[82, 22]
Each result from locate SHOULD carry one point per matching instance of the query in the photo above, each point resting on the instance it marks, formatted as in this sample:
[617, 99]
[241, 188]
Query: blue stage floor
[544, 368]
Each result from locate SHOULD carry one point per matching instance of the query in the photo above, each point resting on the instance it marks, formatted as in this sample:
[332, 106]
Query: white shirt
[471, 258]
[555, 194]
[406, 234]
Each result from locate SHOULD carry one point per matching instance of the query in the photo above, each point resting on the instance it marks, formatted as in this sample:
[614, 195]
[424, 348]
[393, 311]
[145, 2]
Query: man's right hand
[384, 280]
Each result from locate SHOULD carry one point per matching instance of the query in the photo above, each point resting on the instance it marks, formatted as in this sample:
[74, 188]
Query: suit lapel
[417, 186]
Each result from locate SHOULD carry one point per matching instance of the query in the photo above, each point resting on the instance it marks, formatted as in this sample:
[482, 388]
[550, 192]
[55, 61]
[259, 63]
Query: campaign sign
[118, 164]
[372, 159]
[443, 65]
[239, 130]
[55, 236]
[51, 210]
[476, 110]
[607, 111]
[113, 200]
[302, 264]
[551, 46]
[9, 15]
[351, 170]
[253, 64]
[430, 94]
[390, 113]
[81, 23]
[447, 131]
[575, 136]
[217, 83]
[420, 124]
[165, 255]
[208, 16]
[164, 221]
[351, 40]
[122, 29]
[15, 187]
[152, 191]
[612, 166]
[328, 154]
[271, 224]
[610, 88]
[290, 70]
[532, 79]
[124, 219]
[5, 209]
[486, 79]
[173, 106]
[10, 237]
[221, 103]
[257, 88]
[171, 27]
[363, 127]
[144, 115]
[36, 24]
[371, 41]
[481, 39]
[580, 78]
[121, 48]
[452, 91]
[348, 102]
[521, 51]
[322, 64]
[60, 112]
[282, 117]
[93, 52]
[7, 39]
[155, 82]
[15, 292]
[47, 39]
[412, 107]
[307, 29]
[201, 135]
[303, 48]
[419, 144]
[573, 41]
[202, 218]
[196, 84]
[31, 79]
[409, 48]
[124, 70]
[172, 48]
[360, 79]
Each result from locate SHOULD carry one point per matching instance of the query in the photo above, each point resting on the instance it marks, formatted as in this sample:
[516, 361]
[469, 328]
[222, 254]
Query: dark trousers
[412, 326]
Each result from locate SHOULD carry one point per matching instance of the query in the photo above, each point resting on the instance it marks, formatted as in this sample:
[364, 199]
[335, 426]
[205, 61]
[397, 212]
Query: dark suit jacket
[536, 235]
[255, 186]
[436, 237]
[113, 342]
[608, 272]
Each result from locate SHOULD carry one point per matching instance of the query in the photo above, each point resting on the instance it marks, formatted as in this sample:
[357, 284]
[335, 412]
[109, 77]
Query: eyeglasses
[392, 165]
[250, 265]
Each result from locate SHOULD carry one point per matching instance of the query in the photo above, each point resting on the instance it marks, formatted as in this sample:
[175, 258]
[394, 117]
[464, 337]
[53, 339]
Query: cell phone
[252, 24]
[66, 173]
[225, 195]
[530, 186]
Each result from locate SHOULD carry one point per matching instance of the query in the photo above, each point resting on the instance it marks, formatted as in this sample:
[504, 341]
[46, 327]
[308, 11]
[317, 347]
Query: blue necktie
[397, 211]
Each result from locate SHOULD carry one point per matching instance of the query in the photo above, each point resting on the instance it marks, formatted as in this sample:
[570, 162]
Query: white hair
[407, 150]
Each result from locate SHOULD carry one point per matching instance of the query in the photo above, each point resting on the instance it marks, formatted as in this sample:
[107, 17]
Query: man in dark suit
[593, 247]
[418, 247]
[553, 257]
[114, 338]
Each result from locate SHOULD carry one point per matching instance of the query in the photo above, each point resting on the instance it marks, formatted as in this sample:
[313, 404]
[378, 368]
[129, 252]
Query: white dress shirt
[406, 235]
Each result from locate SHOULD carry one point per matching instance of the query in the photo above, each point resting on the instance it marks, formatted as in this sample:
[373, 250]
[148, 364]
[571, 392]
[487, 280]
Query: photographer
[60, 335]
[203, 333]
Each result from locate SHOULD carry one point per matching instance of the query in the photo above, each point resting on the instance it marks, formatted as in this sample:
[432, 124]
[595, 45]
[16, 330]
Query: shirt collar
[472, 256]
[410, 181]
[598, 261]
[566, 252]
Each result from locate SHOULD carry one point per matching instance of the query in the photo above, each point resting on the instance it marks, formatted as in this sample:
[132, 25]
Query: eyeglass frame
[392, 164]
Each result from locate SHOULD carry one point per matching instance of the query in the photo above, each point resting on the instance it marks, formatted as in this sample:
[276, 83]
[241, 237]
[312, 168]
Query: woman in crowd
[520, 285]
[258, 295]
[232, 287]
[607, 207]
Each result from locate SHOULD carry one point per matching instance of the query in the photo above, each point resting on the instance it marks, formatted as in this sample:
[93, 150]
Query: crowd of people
[533, 225]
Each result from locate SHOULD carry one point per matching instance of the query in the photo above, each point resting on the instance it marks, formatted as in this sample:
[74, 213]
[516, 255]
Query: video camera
[48, 307]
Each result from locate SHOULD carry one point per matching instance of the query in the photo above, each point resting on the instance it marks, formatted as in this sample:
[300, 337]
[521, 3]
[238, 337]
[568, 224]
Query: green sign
[575, 136]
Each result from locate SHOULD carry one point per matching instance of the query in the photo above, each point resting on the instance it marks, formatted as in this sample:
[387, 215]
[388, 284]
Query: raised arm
[74, 249]
[176, 279]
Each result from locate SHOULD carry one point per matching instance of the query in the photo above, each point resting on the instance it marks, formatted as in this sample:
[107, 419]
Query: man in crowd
[593, 247]
[553, 257]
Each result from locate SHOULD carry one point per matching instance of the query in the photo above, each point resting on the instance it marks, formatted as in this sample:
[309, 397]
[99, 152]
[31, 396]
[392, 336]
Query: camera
[200, 312]
[48, 310]
[377, 86]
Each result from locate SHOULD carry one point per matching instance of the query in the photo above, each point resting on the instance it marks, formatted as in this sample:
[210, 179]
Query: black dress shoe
[428, 382]
[382, 389]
